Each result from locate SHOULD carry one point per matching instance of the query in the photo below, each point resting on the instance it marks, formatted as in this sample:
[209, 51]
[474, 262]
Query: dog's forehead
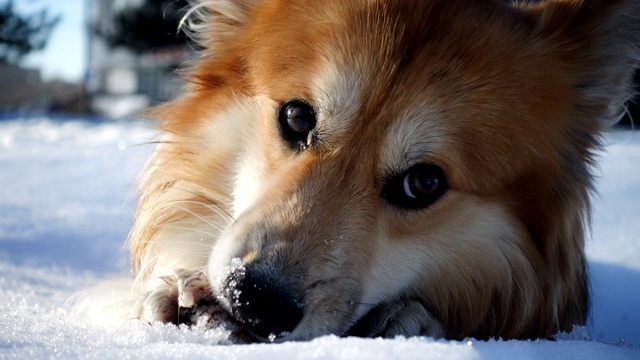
[337, 93]
[420, 88]
[417, 135]
[414, 82]
[400, 125]
[400, 131]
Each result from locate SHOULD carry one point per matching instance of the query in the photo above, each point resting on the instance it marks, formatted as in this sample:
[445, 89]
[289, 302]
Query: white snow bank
[66, 206]
[37, 321]
[614, 248]
[67, 191]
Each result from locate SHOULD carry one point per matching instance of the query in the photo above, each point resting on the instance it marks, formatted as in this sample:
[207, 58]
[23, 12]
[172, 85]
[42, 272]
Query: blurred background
[106, 58]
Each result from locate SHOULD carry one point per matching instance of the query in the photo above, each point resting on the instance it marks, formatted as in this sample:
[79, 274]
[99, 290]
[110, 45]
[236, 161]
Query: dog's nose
[265, 300]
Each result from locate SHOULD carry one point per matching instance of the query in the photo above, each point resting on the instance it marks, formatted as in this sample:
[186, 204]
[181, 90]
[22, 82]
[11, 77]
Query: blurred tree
[22, 34]
[151, 25]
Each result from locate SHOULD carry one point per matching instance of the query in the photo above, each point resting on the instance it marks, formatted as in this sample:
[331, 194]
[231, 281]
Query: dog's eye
[416, 188]
[296, 120]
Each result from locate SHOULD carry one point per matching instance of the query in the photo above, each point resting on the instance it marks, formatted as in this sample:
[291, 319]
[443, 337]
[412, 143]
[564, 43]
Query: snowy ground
[66, 203]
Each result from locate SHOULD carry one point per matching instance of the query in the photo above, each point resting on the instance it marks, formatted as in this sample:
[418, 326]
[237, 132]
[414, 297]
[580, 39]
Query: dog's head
[348, 156]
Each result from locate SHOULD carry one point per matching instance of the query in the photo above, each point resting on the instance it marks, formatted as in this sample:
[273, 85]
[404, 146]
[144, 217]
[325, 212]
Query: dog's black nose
[266, 301]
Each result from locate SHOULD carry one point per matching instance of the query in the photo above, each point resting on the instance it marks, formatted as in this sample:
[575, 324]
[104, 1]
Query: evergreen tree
[23, 34]
[152, 25]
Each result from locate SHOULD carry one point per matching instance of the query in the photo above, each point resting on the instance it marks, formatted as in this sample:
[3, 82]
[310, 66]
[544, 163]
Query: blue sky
[65, 56]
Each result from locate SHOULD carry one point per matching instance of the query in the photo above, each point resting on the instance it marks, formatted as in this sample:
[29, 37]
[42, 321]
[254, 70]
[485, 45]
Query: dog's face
[391, 167]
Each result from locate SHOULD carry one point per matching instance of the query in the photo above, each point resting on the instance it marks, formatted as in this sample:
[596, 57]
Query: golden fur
[508, 100]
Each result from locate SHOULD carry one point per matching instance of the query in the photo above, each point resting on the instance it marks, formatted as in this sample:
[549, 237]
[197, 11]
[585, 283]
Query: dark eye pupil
[419, 183]
[300, 119]
[416, 188]
[296, 120]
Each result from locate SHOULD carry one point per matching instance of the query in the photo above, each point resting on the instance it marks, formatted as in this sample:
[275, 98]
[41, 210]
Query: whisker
[627, 112]
[204, 219]
[174, 203]
[172, 226]
[210, 200]
[160, 142]
[145, 266]
[219, 228]
[216, 209]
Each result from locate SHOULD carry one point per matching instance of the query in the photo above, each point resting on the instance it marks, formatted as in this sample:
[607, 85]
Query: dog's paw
[405, 318]
[193, 287]
[175, 299]
[161, 303]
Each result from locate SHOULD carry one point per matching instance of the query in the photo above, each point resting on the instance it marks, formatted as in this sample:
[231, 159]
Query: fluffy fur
[509, 100]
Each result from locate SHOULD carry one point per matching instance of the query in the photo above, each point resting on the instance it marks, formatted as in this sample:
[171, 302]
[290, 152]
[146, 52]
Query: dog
[382, 167]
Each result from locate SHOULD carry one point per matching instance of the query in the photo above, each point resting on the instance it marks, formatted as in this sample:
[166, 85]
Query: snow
[66, 203]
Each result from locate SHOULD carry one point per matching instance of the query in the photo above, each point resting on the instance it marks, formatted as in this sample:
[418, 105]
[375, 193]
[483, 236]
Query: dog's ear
[214, 23]
[599, 41]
